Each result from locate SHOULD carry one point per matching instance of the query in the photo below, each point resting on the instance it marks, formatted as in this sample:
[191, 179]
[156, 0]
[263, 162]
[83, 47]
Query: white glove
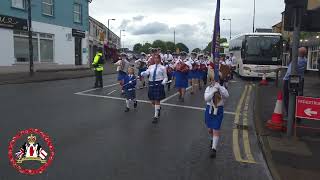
[217, 86]
[164, 82]
[130, 82]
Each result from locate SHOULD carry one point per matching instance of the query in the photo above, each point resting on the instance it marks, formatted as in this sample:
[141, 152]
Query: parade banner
[216, 42]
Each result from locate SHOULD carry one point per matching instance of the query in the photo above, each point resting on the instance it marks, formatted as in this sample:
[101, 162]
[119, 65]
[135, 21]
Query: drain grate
[242, 127]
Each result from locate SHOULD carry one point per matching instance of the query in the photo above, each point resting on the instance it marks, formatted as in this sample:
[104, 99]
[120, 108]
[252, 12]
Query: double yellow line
[245, 99]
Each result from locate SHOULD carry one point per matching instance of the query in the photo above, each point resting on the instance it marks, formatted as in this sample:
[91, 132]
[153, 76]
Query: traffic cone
[276, 122]
[264, 81]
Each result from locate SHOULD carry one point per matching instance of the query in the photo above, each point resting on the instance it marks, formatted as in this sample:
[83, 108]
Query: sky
[149, 20]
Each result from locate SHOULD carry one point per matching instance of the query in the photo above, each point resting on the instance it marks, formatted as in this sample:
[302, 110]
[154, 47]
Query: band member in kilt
[182, 67]
[142, 66]
[168, 63]
[129, 86]
[157, 79]
[215, 96]
[122, 67]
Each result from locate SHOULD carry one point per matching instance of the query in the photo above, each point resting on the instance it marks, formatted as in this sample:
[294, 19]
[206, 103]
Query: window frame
[24, 4]
[79, 13]
[48, 4]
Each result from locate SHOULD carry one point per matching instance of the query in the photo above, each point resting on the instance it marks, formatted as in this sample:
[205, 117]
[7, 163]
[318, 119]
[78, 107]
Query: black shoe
[135, 104]
[127, 110]
[210, 144]
[144, 84]
[155, 120]
[95, 86]
[159, 112]
[213, 153]
[192, 93]
[182, 99]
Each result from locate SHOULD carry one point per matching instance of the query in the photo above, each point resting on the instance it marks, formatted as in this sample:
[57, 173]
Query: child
[215, 96]
[122, 66]
[129, 86]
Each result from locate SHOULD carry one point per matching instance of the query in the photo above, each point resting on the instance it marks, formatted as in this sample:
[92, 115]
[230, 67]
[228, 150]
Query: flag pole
[215, 49]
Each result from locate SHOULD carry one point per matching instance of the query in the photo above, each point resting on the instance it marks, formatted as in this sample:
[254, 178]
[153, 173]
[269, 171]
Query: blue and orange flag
[216, 42]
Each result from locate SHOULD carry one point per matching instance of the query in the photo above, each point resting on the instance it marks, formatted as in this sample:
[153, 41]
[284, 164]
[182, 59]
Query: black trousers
[99, 81]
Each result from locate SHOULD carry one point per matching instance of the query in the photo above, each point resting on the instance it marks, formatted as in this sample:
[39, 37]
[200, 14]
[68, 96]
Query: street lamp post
[121, 37]
[254, 15]
[123, 41]
[229, 19]
[109, 29]
[31, 67]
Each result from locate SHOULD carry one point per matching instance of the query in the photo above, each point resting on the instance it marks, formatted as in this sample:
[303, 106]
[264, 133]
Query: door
[78, 53]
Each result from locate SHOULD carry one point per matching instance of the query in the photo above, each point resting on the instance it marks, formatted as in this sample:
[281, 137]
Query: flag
[216, 42]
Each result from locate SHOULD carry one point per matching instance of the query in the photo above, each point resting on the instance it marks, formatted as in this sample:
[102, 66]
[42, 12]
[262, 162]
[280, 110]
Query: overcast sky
[149, 20]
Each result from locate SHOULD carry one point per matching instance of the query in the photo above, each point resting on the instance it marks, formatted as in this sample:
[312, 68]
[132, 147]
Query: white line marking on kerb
[148, 102]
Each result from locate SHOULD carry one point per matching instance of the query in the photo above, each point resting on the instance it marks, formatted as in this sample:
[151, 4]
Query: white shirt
[228, 62]
[161, 74]
[209, 93]
[167, 57]
[233, 60]
[125, 65]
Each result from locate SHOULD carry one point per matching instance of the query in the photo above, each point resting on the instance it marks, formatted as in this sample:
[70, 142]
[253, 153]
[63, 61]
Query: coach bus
[257, 54]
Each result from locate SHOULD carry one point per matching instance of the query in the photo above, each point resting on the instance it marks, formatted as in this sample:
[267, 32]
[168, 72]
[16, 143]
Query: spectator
[301, 66]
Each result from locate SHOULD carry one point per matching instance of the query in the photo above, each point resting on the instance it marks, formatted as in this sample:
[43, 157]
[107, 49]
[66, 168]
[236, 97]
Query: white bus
[257, 54]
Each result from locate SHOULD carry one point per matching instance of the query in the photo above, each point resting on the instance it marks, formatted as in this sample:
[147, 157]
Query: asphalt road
[94, 139]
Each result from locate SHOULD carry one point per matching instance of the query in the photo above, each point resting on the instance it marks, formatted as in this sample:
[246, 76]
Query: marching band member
[157, 79]
[215, 96]
[203, 71]
[170, 69]
[182, 66]
[193, 73]
[142, 66]
[122, 66]
[168, 57]
[130, 83]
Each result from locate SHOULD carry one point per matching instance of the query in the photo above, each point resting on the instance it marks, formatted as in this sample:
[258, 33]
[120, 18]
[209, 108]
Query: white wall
[63, 49]
[6, 47]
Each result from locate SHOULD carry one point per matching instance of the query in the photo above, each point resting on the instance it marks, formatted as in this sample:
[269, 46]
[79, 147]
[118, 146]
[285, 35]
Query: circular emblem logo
[36, 150]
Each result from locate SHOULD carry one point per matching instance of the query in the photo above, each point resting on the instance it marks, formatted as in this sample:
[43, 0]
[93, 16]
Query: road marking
[172, 96]
[148, 102]
[89, 90]
[111, 92]
[245, 133]
[235, 132]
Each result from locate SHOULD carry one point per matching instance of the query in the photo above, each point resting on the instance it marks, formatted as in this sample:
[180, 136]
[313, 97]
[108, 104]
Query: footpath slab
[288, 158]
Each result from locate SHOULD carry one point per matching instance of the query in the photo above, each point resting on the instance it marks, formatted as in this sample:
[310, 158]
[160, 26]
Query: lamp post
[122, 30]
[229, 19]
[123, 42]
[31, 67]
[254, 14]
[109, 29]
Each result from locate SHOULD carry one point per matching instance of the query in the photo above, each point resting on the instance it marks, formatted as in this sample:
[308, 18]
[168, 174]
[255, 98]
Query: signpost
[308, 108]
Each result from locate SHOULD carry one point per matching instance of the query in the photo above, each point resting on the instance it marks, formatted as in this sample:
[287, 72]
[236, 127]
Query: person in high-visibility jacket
[98, 69]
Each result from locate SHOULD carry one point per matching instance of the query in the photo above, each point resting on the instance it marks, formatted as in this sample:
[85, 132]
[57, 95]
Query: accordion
[169, 70]
[182, 67]
[203, 67]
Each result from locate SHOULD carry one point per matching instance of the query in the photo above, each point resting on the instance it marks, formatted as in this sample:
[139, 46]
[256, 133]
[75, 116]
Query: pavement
[18, 74]
[288, 158]
[95, 139]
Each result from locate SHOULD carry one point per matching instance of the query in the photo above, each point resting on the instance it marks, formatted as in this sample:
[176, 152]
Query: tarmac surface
[95, 139]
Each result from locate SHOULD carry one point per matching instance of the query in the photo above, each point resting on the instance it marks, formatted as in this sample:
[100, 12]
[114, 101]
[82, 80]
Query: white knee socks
[156, 110]
[215, 140]
[128, 103]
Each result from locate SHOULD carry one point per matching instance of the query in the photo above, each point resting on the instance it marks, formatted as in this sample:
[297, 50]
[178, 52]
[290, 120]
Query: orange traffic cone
[276, 122]
[264, 81]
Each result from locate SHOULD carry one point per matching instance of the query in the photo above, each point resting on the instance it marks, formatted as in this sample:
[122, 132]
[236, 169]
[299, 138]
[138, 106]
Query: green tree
[197, 50]
[170, 46]
[159, 44]
[137, 48]
[145, 48]
[208, 48]
[182, 47]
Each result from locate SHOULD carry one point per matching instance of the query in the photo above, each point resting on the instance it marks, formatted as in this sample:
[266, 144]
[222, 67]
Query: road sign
[308, 108]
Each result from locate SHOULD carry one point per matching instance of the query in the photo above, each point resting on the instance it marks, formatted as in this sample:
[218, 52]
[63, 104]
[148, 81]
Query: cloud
[124, 24]
[150, 28]
[138, 18]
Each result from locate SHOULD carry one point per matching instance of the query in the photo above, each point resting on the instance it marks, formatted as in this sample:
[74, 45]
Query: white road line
[109, 97]
[172, 96]
[111, 92]
[192, 107]
[111, 85]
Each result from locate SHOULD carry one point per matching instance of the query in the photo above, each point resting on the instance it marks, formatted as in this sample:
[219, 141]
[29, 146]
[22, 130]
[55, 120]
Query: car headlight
[246, 68]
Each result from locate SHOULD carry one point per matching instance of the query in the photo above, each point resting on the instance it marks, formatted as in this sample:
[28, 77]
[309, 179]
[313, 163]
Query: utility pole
[295, 45]
[31, 67]
[254, 15]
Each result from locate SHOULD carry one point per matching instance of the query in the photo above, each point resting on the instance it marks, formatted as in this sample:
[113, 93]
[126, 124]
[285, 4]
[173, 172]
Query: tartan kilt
[130, 94]
[156, 91]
